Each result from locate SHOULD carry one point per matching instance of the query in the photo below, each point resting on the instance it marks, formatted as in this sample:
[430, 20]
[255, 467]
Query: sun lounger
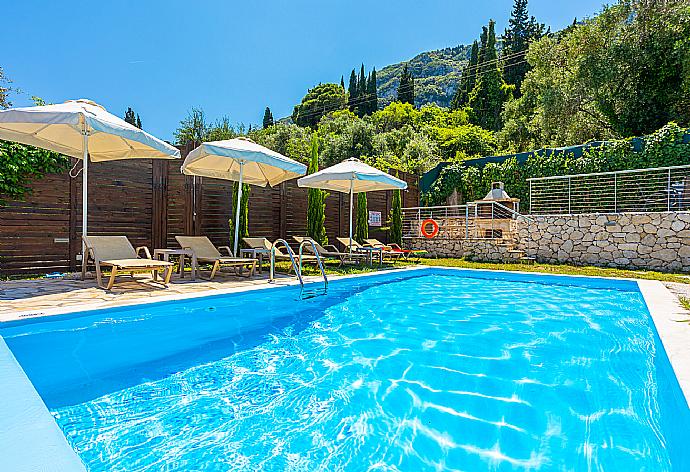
[393, 247]
[331, 252]
[205, 251]
[265, 244]
[118, 254]
[356, 247]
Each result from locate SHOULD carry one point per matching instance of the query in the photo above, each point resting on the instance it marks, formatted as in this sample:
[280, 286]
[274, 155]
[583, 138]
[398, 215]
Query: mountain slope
[436, 74]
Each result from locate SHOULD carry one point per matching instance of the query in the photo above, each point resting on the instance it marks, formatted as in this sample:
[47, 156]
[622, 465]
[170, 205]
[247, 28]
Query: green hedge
[665, 147]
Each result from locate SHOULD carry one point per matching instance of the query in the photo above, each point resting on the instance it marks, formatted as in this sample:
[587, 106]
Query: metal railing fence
[639, 190]
[477, 220]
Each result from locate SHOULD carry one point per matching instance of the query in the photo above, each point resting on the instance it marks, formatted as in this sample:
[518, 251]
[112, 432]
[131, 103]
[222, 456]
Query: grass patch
[332, 268]
[561, 269]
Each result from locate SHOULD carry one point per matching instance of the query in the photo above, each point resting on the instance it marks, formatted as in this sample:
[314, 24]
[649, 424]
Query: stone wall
[652, 241]
[489, 250]
[657, 241]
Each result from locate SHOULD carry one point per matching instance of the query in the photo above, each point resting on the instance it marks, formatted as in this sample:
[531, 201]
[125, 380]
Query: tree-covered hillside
[436, 75]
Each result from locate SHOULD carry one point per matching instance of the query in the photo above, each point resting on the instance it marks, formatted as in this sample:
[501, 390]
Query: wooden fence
[151, 202]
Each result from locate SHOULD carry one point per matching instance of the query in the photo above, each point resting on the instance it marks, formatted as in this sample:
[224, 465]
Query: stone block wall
[656, 241]
[489, 250]
[651, 241]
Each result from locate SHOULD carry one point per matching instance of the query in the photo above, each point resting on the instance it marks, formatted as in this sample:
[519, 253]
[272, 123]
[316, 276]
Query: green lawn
[540, 268]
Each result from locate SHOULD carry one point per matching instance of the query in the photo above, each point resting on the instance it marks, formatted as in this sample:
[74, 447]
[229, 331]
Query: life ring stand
[434, 230]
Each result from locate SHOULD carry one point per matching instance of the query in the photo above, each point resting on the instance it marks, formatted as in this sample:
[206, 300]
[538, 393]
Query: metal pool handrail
[318, 259]
[297, 269]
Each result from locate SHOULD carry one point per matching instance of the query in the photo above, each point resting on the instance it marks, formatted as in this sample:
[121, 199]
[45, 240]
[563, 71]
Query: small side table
[255, 254]
[369, 251]
[165, 254]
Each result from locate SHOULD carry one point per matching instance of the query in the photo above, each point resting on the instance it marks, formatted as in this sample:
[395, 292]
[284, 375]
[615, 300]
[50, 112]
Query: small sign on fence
[374, 218]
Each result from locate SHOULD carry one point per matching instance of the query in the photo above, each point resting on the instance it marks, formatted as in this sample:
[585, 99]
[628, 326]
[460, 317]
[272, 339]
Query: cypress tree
[138, 125]
[362, 98]
[486, 100]
[362, 220]
[396, 219]
[353, 90]
[244, 219]
[467, 80]
[268, 118]
[516, 39]
[342, 82]
[406, 87]
[316, 204]
[372, 95]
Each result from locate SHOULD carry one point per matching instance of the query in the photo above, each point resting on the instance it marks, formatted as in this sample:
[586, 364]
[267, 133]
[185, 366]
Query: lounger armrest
[147, 253]
[395, 246]
[227, 248]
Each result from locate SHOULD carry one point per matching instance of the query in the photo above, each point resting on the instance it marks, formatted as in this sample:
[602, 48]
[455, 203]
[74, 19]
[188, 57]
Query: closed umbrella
[352, 176]
[243, 161]
[84, 130]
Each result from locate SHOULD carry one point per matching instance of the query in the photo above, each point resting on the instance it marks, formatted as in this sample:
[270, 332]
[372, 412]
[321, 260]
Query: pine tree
[406, 87]
[316, 204]
[372, 96]
[353, 90]
[362, 220]
[268, 118]
[396, 219]
[467, 80]
[490, 91]
[521, 31]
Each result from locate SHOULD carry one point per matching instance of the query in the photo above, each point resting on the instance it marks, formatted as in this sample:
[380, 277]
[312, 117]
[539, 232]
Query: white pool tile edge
[30, 439]
[671, 322]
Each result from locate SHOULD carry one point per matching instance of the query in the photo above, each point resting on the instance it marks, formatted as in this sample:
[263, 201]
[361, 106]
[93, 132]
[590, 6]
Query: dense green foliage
[468, 79]
[316, 201]
[268, 118]
[406, 86]
[399, 136]
[436, 76]
[362, 95]
[20, 164]
[624, 72]
[665, 147]
[319, 101]
[361, 219]
[490, 91]
[395, 219]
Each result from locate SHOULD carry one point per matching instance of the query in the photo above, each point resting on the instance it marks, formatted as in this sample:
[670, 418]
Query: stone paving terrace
[39, 297]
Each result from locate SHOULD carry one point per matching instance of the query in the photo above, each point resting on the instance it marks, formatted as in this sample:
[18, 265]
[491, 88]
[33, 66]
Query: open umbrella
[84, 130]
[352, 176]
[243, 161]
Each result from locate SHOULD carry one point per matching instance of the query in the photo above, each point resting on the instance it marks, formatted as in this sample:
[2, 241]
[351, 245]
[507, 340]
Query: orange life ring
[434, 230]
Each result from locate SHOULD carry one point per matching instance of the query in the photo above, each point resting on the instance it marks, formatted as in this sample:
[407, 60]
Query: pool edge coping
[673, 328]
[30, 438]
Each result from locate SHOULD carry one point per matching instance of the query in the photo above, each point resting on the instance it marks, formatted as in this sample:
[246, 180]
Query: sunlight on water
[484, 375]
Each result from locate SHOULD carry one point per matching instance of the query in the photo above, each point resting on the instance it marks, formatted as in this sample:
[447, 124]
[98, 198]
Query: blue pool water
[430, 370]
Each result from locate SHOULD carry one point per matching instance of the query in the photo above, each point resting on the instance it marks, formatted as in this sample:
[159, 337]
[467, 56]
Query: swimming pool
[421, 370]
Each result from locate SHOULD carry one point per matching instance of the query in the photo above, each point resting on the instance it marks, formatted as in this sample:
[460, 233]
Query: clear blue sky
[229, 57]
